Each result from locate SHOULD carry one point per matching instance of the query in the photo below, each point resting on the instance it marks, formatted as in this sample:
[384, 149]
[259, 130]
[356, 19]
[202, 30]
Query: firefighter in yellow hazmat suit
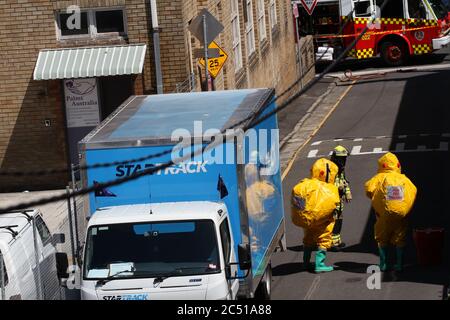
[313, 204]
[393, 196]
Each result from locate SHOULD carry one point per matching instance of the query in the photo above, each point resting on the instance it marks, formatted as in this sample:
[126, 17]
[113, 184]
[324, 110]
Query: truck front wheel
[264, 290]
[394, 53]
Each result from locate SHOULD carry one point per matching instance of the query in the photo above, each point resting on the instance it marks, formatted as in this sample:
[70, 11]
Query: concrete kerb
[310, 122]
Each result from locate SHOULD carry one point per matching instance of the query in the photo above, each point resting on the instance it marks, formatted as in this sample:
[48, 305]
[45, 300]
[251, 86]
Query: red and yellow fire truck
[402, 29]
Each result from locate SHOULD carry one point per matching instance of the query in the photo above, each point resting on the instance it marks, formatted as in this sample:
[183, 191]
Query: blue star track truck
[204, 228]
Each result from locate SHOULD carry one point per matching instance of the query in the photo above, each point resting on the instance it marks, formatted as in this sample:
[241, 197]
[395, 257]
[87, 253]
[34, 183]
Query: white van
[21, 246]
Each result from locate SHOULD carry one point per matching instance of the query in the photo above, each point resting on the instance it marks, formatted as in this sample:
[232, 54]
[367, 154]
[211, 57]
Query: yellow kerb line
[294, 158]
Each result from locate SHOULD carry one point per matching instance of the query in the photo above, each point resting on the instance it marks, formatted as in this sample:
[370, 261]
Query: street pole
[156, 47]
[74, 186]
[206, 53]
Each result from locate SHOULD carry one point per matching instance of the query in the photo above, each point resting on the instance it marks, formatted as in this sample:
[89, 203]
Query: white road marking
[358, 139]
[337, 140]
[403, 136]
[316, 143]
[356, 150]
[313, 288]
[377, 150]
[313, 153]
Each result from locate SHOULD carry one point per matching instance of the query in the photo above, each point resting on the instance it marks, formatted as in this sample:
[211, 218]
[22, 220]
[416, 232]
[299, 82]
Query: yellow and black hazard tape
[425, 22]
[368, 34]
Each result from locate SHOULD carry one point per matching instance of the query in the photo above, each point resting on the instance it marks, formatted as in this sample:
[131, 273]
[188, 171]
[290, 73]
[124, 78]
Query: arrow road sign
[215, 64]
[212, 53]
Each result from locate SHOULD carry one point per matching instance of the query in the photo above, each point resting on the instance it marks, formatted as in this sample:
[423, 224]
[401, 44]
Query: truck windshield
[439, 8]
[153, 249]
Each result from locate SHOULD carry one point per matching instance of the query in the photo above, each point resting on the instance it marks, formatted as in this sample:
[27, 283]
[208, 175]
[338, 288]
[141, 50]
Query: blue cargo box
[144, 125]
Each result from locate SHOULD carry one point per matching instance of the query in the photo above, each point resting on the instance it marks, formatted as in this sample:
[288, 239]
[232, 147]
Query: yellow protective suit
[313, 203]
[393, 196]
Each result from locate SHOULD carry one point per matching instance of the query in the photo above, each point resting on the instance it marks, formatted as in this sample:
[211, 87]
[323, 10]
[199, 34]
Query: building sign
[309, 5]
[82, 107]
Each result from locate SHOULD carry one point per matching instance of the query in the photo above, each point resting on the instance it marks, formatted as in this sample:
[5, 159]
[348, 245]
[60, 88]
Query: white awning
[87, 62]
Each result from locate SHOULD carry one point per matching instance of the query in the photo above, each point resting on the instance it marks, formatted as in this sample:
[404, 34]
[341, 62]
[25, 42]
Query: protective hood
[320, 168]
[389, 163]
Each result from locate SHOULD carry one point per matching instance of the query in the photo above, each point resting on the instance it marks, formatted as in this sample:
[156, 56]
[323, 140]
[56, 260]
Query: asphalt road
[408, 114]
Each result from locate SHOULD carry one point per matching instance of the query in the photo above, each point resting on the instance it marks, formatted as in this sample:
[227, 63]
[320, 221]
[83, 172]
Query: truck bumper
[440, 43]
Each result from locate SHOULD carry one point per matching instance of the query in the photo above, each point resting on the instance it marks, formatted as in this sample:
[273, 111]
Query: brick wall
[27, 26]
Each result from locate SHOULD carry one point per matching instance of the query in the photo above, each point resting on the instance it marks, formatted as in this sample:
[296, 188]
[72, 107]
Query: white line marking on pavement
[358, 139]
[400, 147]
[381, 137]
[378, 150]
[403, 136]
[313, 153]
[337, 140]
[424, 135]
[313, 288]
[356, 150]
[316, 143]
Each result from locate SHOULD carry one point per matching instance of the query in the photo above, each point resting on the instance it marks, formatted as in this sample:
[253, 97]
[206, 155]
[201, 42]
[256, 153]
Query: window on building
[107, 21]
[249, 28]
[67, 25]
[93, 23]
[273, 13]
[261, 20]
[236, 30]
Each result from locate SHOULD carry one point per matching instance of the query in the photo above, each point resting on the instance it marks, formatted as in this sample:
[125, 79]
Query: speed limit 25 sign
[215, 64]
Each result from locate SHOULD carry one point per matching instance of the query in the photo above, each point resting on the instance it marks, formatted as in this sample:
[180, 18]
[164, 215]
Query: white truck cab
[160, 251]
[28, 262]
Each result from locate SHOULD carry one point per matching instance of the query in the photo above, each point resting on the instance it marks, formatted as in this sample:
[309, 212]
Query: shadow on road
[288, 268]
[424, 109]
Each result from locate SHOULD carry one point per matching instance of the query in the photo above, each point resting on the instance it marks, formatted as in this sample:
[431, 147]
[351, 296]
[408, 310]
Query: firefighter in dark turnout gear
[339, 157]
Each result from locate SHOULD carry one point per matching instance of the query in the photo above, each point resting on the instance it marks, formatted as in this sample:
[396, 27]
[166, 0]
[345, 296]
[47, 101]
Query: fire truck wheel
[393, 53]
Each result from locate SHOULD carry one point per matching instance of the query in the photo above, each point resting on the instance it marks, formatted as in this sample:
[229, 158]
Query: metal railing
[187, 85]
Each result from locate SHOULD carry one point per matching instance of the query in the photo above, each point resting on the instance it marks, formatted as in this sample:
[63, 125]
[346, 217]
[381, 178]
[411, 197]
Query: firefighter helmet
[340, 151]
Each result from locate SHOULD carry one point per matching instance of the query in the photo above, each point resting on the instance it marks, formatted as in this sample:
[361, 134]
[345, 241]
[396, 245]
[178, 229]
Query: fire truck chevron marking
[421, 48]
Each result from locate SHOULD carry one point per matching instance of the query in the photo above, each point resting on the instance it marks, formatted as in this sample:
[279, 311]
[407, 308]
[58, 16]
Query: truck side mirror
[58, 238]
[245, 261]
[62, 265]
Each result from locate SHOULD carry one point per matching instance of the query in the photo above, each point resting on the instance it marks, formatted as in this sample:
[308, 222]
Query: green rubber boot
[320, 262]
[383, 261]
[307, 257]
[399, 265]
